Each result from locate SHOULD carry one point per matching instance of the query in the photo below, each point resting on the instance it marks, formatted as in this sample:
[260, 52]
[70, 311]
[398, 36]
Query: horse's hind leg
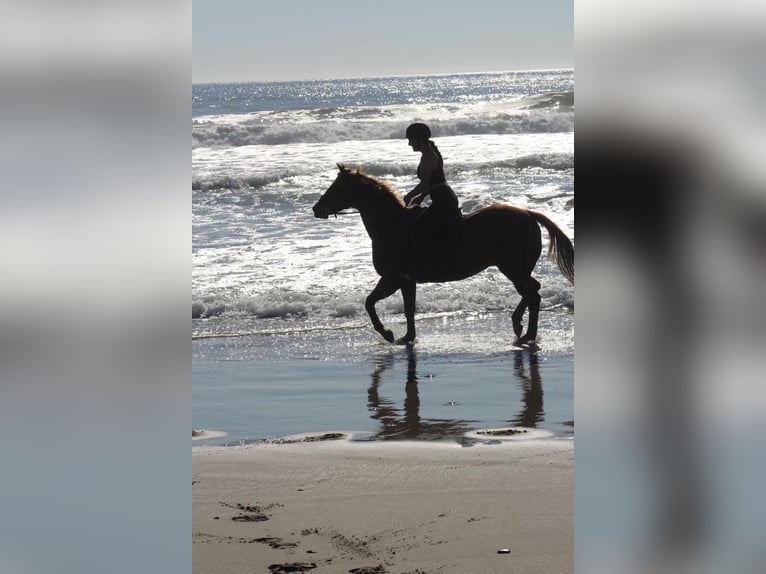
[529, 289]
[517, 316]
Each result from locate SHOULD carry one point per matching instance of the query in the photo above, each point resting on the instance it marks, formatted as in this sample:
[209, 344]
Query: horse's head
[337, 197]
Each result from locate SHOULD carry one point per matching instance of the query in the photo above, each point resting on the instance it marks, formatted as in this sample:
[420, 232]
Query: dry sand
[341, 506]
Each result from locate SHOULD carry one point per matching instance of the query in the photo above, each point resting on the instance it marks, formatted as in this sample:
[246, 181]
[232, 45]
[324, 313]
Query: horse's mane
[384, 188]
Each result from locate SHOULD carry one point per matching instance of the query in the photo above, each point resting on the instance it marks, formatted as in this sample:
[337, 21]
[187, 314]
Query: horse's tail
[560, 249]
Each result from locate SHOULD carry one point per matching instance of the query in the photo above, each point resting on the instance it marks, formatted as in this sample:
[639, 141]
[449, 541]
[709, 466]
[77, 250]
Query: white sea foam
[378, 124]
[304, 167]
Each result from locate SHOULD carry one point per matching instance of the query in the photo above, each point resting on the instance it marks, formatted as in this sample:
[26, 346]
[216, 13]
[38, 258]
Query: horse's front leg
[408, 294]
[386, 287]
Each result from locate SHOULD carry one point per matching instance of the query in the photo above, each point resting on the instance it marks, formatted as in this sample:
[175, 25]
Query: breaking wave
[545, 161]
[336, 126]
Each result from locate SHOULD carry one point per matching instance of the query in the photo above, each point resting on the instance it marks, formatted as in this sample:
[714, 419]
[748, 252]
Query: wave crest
[233, 131]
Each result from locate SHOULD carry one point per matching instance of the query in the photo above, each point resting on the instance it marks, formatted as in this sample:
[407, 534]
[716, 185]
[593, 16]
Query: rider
[444, 211]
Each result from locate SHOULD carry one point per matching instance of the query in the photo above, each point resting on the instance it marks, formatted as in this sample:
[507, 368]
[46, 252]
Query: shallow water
[436, 389]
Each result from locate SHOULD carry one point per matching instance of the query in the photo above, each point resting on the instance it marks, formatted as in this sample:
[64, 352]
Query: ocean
[282, 344]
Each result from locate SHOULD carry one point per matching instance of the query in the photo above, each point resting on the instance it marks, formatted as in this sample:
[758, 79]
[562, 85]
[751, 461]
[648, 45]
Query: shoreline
[336, 506]
[476, 437]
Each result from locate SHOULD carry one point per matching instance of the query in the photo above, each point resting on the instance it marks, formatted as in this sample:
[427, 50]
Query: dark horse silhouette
[500, 235]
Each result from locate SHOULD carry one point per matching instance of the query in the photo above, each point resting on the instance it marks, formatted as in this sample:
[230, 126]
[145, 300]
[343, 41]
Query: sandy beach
[339, 506]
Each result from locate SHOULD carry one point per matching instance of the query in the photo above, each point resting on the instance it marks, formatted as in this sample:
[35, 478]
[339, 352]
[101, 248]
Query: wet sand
[337, 506]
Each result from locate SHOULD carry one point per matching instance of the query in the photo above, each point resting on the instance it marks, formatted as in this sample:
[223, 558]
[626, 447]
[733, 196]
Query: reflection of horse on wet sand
[499, 235]
[532, 389]
[406, 422]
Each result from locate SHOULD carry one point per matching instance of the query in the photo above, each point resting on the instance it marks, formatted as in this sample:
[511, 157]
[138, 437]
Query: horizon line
[384, 76]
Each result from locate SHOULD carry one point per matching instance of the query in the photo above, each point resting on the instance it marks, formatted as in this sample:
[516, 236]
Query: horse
[499, 235]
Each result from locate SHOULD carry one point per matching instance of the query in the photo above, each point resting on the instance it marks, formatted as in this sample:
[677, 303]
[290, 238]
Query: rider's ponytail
[436, 151]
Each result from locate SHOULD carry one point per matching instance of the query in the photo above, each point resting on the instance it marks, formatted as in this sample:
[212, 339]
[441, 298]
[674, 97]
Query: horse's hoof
[406, 341]
[388, 335]
[525, 341]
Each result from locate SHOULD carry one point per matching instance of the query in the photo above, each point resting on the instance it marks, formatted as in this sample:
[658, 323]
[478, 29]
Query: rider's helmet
[418, 131]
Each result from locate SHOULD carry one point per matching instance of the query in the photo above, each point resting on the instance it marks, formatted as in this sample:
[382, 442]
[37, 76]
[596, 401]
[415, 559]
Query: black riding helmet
[418, 131]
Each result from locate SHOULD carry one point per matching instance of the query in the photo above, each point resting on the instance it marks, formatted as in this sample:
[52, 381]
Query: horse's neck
[379, 226]
[383, 220]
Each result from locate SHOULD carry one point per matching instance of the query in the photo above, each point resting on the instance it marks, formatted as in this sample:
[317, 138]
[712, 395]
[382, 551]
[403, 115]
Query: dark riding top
[444, 206]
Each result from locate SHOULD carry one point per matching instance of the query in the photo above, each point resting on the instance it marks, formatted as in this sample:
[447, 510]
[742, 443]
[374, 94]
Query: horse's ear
[342, 168]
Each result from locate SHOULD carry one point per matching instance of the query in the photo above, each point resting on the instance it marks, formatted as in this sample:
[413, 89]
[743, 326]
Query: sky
[272, 40]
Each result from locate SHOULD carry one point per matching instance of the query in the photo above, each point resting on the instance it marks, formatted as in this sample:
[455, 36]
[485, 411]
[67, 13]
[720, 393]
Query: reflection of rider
[444, 210]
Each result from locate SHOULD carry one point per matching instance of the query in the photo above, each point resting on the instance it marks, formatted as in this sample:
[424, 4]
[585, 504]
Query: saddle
[430, 239]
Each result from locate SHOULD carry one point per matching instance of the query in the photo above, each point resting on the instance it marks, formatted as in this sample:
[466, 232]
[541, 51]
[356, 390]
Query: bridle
[328, 209]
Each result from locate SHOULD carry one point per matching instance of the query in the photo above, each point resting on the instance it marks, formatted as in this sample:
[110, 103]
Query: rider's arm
[427, 164]
[416, 195]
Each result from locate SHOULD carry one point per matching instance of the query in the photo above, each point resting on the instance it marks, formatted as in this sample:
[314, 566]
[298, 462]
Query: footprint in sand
[292, 567]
